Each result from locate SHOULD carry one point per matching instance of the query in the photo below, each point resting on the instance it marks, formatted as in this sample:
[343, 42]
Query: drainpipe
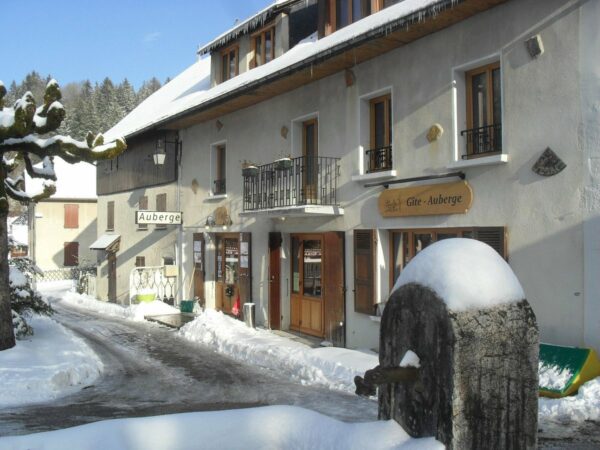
[179, 244]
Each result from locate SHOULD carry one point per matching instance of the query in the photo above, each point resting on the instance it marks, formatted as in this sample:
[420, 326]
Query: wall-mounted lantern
[160, 154]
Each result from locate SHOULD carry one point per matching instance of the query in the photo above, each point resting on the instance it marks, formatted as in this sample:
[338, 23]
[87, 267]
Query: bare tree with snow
[22, 130]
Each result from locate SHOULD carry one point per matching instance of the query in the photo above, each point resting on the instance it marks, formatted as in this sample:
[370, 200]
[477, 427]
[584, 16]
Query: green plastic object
[186, 306]
[578, 365]
[146, 297]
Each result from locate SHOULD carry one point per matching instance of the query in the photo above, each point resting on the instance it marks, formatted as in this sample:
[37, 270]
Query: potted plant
[284, 163]
[249, 169]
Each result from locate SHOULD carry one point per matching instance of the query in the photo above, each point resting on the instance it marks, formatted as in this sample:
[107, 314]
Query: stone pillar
[477, 386]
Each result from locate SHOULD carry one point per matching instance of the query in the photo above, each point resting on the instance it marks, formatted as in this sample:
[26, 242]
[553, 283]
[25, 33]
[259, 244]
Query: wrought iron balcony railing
[304, 181]
[219, 187]
[379, 159]
[483, 140]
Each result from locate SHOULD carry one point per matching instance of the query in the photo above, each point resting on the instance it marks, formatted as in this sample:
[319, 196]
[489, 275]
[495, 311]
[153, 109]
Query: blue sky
[74, 40]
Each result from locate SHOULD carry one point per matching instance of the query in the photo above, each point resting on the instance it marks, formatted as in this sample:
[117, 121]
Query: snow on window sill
[375, 176]
[214, 198]
[483, 161]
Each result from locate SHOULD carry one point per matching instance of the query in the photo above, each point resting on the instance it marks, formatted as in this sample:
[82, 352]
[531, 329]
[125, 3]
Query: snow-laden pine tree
[23, 131]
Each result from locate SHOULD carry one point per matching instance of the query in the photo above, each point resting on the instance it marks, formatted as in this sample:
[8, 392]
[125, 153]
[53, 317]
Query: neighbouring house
[18, 235]
[315, 148]
[63, 226]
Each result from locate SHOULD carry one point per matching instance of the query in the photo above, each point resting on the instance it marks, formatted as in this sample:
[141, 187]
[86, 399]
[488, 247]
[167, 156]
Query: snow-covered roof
[191, 90]
[105, 241]
[464, 273]
[73, 181]
[247, 26]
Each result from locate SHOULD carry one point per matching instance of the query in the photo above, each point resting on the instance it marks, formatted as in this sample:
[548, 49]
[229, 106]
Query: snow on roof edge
[390, 19]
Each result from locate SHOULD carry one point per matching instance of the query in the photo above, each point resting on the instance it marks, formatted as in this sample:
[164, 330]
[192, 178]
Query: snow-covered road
[149, 370]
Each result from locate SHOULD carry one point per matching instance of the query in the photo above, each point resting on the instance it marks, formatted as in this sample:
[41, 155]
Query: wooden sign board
[433, 199]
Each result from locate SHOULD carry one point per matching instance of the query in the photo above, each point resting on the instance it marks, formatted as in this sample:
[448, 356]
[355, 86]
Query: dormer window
[229, 63]
[264, 46]
[340, 13]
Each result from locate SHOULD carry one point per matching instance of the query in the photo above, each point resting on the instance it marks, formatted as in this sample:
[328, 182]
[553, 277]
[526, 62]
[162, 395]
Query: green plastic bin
[186, 306]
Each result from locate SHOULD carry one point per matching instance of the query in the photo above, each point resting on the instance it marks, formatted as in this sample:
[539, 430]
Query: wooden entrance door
[227, 271]
[112, 277]
[306, 292]
[198, 268]
[310, 152]
[275, 280]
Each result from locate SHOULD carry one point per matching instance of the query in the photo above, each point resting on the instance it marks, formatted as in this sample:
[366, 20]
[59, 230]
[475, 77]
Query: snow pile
[133, 312]
[464, 273]
[270, 427]
[583, 406]
[410, 359]
[330, 366]
[49, 364]
[554, 377]
[16, 278]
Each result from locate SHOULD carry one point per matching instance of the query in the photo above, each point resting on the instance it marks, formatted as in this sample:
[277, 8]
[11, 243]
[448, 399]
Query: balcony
[379, 159]
[483, 141]
[219, 187]
[306, 186]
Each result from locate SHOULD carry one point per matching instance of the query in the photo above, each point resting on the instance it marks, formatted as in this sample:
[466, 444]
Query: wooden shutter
[140, 261]
[245, 277]
[364, 279]
[71, 254]
[71, 216]
[143, 206]
[161, 205]
[495, 237]
[334, 289]
[110, 215]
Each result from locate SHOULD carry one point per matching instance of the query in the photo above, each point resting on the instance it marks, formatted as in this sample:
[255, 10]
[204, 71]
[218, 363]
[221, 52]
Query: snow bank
[583, 406]
[51, 363]
[329, 366]
[465, 273]
[133, 312]
[270, 427]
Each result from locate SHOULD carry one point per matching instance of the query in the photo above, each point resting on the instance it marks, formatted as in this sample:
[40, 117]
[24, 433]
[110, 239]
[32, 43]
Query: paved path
[151, 371]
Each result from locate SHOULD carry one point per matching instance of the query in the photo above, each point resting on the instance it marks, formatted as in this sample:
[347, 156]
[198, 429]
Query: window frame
[262, 35]
[331, 24]
[110, 215]
[388, 126]
[71, 254]
[459, 231]
[219, 168]
[161, 206]
[488, 70]
[225, 68]
[140, 261]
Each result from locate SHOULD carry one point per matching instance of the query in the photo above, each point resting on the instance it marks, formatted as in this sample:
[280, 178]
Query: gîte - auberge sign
[432, 199]
[159, 217]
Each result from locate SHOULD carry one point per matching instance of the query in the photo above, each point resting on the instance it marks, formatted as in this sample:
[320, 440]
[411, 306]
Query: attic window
[341, 13]
[229, 63]
[264, 46]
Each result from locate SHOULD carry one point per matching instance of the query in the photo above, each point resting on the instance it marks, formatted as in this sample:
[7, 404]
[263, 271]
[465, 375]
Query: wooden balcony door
[310, 151]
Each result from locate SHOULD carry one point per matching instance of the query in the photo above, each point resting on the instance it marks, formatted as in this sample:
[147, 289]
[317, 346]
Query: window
[484, 111]
[264, 47]
[140, 261]
[161, 205]
[379, 156]
[229, 63]
[219, 169]
[406, 244]
[143, 206]
[71, 254]
[339, 13]
[364, 273]
[71, 216]
[110, 216]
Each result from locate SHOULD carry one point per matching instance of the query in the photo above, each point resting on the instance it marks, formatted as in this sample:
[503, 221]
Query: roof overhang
[107, 242]
[363, 47]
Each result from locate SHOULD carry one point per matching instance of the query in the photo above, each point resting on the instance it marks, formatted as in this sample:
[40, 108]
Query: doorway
[112, 277]
[318, 285]
[227, 271]
[275, 280]
[198, 269]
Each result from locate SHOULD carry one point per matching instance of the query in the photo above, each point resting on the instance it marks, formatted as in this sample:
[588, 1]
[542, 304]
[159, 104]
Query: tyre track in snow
[148, 370]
